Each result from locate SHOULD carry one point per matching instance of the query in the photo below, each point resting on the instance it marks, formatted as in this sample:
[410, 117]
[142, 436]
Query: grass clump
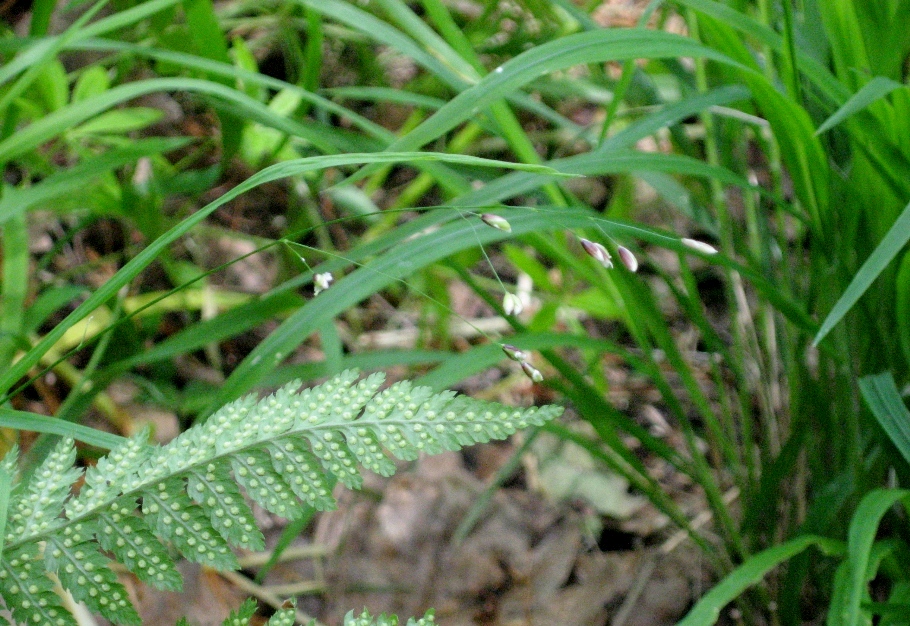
[383, 152]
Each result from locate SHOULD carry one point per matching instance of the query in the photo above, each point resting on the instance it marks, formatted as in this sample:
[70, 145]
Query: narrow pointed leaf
[894, 241]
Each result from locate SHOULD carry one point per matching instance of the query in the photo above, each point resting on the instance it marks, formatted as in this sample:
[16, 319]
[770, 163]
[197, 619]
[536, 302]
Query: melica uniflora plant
[285, 451]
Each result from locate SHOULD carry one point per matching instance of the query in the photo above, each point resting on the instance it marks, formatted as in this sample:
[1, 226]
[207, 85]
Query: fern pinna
[285, 450]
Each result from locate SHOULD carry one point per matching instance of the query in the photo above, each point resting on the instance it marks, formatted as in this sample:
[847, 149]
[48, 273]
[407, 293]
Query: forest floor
[562, 542]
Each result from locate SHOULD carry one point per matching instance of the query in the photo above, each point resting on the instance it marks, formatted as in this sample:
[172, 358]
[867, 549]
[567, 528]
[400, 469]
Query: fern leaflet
[285, 450]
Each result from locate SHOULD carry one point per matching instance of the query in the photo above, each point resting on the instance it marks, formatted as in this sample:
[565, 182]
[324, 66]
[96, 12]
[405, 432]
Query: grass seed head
[514, 353]
[532, 372]
[699, 246]
[497, 222]
[628, 259]
[597, 251]
[511, 304]
[322, 282]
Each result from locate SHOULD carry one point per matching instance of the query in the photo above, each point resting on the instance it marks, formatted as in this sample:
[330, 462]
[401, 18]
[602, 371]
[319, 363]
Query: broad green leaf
[118, 122]
[894, 241]
[205, 31]
[52, 86]
[886, 404]
[92, 81]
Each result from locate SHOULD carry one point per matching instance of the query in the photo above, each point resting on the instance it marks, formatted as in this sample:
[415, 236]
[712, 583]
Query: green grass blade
[210, 42]
[707, 610]
[127, 17]
[461, 366]
[399, 263]
[886, 404]
[204, 28]
[39, 50]
[50, 300]
[288, 537]
[874, 90]
[150, 253]
[422, 33]
[245, 106]
[582, 48]
[313, 60]
[15, 286]
[603, 159]
[793, 128]
[860, 538]
[834, 91]
[454, 36]
[891, 245]
[47, 53]
[58, 122]
[466, 71]
[41, 17]
[600, 164]
[902, 304]
[23, 420]
[387, 94]
[431, 57]
[220, 328]
[374, 361]
[362, 21]
[216, 68]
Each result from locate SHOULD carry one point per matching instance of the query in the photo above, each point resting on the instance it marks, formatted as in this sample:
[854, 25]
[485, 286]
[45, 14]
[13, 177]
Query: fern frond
[284, 616]
[10, 459]
[243, 614]
[365, 619]
[286, 451]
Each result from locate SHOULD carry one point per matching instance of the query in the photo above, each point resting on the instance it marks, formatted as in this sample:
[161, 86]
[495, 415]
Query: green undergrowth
[364, 156]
